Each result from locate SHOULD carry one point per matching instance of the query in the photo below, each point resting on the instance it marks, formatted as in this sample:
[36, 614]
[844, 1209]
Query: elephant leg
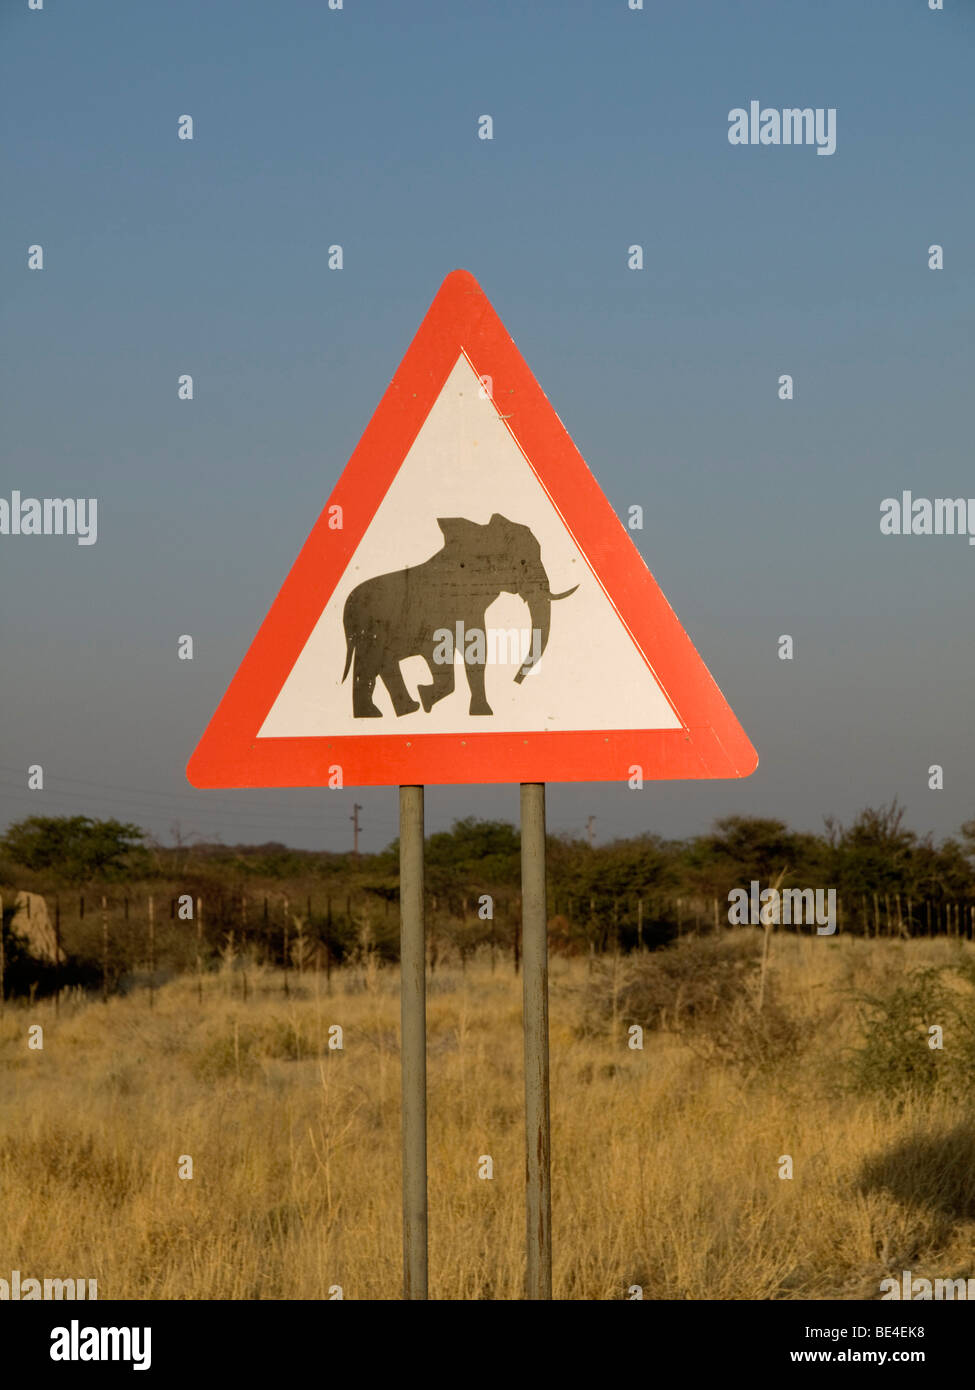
[475, 679]
[363, 684]
[398, 693]
[442, 684]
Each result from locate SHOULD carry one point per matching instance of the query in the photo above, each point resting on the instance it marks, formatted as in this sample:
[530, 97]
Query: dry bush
[705, 990]
[894, 1057]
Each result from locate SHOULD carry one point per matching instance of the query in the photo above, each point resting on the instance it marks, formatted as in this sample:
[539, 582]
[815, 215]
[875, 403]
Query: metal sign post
[414, 1042]
[538, 1139]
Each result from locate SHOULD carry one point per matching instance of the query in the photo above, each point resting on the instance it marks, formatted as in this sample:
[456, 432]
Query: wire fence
[116, 940]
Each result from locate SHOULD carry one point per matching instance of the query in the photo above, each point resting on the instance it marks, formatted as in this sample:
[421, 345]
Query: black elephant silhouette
[403, 614]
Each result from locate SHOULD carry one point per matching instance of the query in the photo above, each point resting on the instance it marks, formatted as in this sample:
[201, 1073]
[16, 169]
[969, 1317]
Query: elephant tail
[349, 651]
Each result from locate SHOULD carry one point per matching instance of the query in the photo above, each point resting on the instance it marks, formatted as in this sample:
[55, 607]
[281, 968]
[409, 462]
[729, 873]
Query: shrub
[706, 989]
[895, 1058]
[233, 1053]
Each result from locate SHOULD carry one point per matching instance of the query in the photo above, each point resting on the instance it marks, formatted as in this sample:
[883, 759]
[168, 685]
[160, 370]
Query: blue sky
[359, 127]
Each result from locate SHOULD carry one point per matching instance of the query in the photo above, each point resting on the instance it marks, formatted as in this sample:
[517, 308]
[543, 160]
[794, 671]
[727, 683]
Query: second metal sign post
[538, 1145]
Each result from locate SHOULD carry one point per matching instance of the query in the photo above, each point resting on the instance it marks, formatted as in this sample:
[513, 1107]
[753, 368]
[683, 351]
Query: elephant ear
[457, 530]
[502, 526]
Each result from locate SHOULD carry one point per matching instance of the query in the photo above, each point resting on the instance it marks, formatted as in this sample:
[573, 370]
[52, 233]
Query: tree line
[876, 854]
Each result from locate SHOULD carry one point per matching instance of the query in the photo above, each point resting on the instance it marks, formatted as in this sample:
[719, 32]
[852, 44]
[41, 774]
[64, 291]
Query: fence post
[152, 951]
[243, 949]
[57, 954]
[286, 944]
[199, 950]
[104, 949]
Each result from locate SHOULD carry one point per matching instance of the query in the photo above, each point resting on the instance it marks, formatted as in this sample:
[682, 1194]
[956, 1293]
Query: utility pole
[590, 823]
[354, 818]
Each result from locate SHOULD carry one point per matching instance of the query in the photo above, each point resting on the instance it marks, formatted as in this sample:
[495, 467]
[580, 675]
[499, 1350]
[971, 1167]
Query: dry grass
[665, 1169]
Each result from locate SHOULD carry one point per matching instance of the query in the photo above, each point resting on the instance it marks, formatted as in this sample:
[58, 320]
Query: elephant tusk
[566, 594]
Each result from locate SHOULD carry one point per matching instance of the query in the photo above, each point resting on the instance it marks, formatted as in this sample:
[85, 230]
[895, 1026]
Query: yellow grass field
[665, 1164]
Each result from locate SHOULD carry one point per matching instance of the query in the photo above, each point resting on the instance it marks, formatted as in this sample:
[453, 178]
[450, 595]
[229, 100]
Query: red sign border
[710, 743]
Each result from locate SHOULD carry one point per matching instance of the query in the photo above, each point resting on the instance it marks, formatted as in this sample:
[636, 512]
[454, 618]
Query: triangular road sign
[468, 606]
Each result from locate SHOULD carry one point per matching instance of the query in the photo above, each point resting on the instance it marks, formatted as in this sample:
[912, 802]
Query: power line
[184, 798]
[250, 821]
[329, 821]
[197, 800]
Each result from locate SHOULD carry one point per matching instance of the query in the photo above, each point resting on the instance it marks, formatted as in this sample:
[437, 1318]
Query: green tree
[73, 848]
[481, 850]
[742, 848]
[877, 853]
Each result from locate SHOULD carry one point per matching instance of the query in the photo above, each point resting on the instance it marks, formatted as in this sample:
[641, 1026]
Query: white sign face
[465, 463]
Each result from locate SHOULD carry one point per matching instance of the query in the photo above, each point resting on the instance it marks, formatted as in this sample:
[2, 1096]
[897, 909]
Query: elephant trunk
[539, 602]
